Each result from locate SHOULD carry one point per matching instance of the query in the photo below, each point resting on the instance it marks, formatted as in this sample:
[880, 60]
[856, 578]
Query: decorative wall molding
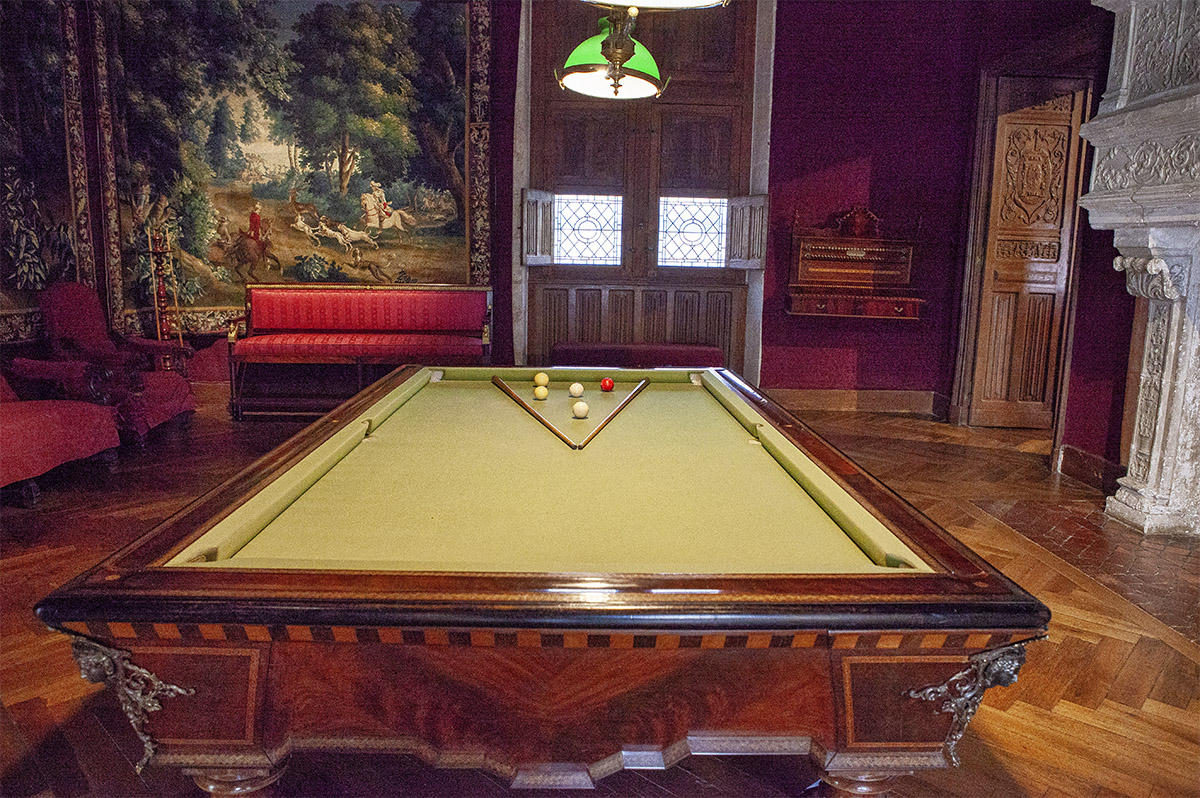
[191, 321]
[1147, 163]
[21, 325]
[479, 151]
[1154, 49]
[1153, 278]
[81, 215]
[111, 260]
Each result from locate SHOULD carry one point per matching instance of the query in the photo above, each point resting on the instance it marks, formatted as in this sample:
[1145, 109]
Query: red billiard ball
[606, 384]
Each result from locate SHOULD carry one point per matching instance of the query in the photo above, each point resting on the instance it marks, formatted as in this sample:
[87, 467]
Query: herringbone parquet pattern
[1109, 705]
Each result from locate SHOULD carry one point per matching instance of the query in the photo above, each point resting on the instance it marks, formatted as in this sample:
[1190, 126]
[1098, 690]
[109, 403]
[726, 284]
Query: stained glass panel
[691, 231]
[587, 229]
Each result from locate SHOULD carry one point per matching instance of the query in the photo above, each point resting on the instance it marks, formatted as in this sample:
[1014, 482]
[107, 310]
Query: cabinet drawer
[889, 308]
[866, 306]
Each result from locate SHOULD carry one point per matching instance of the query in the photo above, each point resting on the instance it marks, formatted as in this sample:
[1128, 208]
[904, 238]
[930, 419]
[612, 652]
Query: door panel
[713, 316]
[1027, 258]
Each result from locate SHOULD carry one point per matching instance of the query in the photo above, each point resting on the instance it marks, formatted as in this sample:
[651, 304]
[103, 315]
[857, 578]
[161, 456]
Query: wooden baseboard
[921, 403]
[1090, 469]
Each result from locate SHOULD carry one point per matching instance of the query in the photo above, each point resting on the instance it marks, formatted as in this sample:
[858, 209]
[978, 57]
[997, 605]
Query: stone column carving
[1161, 491]
[1146, 187]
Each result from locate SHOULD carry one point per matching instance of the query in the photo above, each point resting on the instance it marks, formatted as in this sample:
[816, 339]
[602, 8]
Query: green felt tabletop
[454, 475]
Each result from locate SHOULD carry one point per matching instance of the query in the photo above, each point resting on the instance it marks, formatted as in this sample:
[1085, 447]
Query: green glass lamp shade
[661, 5]
[587, 71]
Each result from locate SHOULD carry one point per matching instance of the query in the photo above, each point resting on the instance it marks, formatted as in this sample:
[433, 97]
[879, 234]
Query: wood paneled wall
[714, 315]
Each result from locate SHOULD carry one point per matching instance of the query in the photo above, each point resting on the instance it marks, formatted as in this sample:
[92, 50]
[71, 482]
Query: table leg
[861, 783]
[235, 781]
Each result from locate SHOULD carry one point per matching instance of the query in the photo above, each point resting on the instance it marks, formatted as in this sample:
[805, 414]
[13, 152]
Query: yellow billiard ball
[541, 379]
[541, 392]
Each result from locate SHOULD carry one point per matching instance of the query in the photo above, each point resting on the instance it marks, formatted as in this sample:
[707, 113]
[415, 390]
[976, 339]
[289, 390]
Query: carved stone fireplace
[1146, 187]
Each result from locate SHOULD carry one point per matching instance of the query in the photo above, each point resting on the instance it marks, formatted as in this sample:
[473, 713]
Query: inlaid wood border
[539, 638]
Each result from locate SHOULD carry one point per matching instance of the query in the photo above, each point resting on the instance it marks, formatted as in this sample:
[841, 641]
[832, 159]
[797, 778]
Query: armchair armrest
[232, 333]
[77, 379]
[151, 347]
[55, 370]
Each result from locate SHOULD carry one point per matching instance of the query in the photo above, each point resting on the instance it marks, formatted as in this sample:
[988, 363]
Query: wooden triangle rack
[562, 436]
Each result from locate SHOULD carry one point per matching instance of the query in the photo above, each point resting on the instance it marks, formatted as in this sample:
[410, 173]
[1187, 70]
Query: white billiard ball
[575, 390]
[541, 392]
[541, 378]
[579, 410]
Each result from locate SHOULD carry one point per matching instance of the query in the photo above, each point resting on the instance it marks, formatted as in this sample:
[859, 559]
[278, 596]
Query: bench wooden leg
[236, 375]
[108, 460]
[29, 494]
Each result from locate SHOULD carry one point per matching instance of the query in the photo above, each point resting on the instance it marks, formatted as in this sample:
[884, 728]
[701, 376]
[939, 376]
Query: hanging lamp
[660, 5]
[612, 64]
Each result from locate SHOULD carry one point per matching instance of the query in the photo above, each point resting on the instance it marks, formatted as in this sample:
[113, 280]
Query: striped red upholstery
[358, 348]
[274, 309]
[365, 326]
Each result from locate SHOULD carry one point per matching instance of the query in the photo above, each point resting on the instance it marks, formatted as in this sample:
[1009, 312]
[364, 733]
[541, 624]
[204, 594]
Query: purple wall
[1100, 351]
[875, 103]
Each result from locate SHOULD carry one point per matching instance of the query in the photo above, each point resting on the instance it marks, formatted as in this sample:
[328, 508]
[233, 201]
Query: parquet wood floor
[1108, 705]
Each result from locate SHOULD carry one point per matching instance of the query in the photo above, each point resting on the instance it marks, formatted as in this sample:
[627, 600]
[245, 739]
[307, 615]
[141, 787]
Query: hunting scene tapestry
[296, 141]
[262, 140]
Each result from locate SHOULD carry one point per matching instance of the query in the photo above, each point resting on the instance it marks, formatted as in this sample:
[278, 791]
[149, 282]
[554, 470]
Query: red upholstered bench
[635, 356]
[359, 327]
[41, 434]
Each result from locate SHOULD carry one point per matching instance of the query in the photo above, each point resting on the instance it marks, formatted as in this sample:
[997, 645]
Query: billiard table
[447, 566]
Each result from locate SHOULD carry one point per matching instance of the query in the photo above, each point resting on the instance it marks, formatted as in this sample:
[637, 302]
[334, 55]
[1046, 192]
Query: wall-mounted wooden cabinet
[836, 275]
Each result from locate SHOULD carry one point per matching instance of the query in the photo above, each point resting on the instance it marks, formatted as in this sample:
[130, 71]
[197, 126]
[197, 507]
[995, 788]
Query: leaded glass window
[691, 231]
[587, 229]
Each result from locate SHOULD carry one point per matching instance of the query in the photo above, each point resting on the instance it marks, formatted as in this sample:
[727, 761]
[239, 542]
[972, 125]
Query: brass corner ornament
[138, 689]
[962, 693]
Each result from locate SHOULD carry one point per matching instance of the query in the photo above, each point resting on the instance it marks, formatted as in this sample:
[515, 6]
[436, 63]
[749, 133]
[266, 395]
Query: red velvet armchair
[77, 330]
[41, 434]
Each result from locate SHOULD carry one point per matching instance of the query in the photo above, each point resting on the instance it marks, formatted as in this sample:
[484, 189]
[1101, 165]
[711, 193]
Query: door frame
[975, 255]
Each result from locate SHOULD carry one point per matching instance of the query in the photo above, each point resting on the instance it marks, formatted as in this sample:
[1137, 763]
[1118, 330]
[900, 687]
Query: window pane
[691, 231]
[587, 229]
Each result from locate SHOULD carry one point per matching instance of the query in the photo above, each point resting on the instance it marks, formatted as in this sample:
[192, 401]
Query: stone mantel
[1145, 186]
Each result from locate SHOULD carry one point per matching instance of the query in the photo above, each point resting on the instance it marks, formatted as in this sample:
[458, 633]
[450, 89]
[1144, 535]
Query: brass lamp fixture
[612, 63]
[660, 5]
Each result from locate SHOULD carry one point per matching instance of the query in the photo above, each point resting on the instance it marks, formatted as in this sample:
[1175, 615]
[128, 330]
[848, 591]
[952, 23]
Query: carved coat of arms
[1034, 165]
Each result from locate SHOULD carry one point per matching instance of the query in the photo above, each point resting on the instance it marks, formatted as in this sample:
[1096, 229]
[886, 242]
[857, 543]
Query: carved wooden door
[1027, 251]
